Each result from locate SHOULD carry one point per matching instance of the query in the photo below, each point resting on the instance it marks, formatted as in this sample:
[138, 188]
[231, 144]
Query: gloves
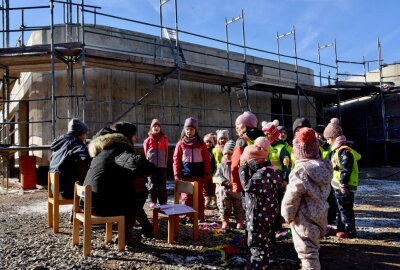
[344, 189]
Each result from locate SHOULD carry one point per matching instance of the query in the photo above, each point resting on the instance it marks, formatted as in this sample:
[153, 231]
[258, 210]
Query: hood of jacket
[60, 141]
[107, 140]
[320, 172]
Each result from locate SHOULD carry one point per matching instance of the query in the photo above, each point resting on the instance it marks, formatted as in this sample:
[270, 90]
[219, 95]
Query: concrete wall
[110, 92]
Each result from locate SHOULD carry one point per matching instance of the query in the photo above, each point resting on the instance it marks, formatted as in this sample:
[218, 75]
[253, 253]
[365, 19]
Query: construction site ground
[26, 242]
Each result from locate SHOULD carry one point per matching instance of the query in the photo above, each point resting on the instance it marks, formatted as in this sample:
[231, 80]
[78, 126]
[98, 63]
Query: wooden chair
[85, 217]
[173, 211]
[54, 201]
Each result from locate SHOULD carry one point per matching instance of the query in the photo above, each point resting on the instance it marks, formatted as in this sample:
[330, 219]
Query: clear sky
[355, 24]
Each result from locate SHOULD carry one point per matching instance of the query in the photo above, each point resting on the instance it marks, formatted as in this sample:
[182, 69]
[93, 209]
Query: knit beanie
[77, 127]
[228, 147]
[210, 137]
[281, 128]
[305, 144]
[257, 151]
[222, 134]
[248, 119]
[155, 122]
[272, 129]
[191, 122]
[299, 123]
[319, 129]
[333, 129]
[125, 128]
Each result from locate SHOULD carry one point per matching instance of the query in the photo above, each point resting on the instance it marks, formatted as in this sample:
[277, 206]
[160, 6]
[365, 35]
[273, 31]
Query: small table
[173, 211]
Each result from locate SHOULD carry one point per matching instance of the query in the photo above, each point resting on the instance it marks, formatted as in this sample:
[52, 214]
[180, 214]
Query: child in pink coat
[156, 151]
[304, 205]
[192, 162]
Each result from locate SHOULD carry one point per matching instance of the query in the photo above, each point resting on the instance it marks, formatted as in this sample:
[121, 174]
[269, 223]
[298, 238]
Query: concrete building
[112, 91]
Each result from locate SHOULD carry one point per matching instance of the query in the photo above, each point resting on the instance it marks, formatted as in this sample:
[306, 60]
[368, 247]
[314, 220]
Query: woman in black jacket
[118, 176]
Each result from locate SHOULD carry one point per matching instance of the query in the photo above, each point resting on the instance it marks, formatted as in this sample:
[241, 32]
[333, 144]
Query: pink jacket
[191, 161]
[156, 151]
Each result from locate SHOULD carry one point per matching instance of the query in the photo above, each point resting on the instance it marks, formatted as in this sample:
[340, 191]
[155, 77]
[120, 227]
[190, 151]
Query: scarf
[338, 142]
[190, 141]
[156, 136]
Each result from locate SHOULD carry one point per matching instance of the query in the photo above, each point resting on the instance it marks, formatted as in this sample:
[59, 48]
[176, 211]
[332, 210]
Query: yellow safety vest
[353, 182]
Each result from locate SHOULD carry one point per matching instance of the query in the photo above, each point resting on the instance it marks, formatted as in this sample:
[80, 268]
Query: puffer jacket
[305, 200]
[112, 173]
[156, 151]
[191, 161]
[70, 157]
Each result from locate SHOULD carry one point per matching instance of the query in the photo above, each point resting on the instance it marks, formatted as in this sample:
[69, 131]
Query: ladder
[170, 35]
[240, 92]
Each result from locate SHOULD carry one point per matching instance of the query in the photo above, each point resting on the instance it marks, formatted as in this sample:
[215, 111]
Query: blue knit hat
[77, 127]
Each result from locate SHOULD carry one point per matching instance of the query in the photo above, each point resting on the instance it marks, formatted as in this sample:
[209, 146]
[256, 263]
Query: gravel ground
[26, 242]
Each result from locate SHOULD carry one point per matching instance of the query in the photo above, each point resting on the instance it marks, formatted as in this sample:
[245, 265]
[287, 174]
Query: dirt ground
[27, 243]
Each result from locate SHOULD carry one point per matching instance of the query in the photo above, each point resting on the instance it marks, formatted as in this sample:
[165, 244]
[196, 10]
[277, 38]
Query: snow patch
[40, 208]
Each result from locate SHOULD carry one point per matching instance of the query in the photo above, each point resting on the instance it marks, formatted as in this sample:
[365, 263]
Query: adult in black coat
[70, 157]
[118, 176]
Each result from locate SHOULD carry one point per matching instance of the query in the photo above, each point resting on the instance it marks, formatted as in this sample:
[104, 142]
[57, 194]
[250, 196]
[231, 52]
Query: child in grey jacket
[228, 199]
[304, 205]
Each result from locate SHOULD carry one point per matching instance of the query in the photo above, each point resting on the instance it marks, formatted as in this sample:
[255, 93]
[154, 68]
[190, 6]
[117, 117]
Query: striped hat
[228, 147]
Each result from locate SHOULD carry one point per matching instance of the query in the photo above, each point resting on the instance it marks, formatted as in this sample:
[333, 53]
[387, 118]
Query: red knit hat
[257, 151]
[272, 129]
[305, 144]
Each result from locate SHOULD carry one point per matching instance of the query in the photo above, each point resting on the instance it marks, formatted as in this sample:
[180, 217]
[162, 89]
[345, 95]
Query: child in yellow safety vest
[345, 178]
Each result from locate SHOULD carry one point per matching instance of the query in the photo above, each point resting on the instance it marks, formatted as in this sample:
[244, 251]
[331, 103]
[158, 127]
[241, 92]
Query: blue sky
[355, 24]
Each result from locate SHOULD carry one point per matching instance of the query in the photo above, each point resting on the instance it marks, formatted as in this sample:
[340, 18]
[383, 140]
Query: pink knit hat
[333, 129]
[191, 122]
[155, 122]
[210, 137]
[272, 129]
[305, 144]
[248, 119]
[257, 151]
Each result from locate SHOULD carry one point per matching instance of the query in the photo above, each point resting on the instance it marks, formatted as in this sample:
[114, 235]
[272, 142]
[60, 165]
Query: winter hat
[305, 144]
[77, 127]
[272, 129]
[333, 129]
[248, 119]
[191, 122]
[319, 129]
[222, 134]
[281, 128]
[257, 151]
[228, 147]
[155, 122]
[299, 123]
[125, 128]
[210, 137]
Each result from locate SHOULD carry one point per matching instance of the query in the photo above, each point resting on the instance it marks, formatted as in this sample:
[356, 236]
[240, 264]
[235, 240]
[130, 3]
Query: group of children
[264, 181]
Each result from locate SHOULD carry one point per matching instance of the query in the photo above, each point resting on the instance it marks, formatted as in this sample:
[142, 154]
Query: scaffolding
[169, 60]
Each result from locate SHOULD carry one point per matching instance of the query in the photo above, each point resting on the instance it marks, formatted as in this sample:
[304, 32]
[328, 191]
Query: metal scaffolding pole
[319, 59]
[382, 99]
[53, 81]
[337, 82]
[241, 17]
[84, 98]
[278, 37]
